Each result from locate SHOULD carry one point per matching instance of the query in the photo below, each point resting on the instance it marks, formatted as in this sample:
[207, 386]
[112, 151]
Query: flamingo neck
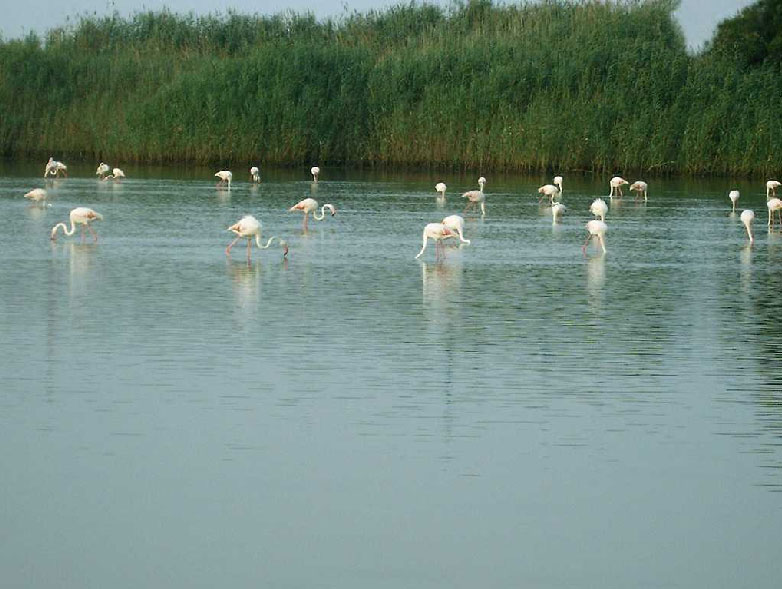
[322, 213]
[64, 228]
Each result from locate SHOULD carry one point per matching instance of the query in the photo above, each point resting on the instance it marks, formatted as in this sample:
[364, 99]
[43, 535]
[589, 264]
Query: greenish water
[518, 414]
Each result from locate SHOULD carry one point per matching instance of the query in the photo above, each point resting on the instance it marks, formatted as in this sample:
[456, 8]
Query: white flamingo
[599, 208]
[476, 197]
[225, 178]
[733, 195]
[549, 190]
[640, 187]
[315, 171]
[616, 186]
[774, 204]
[557, 210]
[249, 227]
[36, 195]
[116, 174]
[79, 216]
[558, 183]
[771, 188]
[440, 189]
[597, 229]
[455, 223]
[747, 217]
[438, 232]
[102, 170]
[310, 205]
[255, 174]
[54, 168]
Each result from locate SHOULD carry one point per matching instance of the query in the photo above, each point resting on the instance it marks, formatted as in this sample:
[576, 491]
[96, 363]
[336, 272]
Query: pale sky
[698, 17]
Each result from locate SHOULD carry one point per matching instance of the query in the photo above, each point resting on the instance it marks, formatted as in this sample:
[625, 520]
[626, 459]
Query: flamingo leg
[94, 235]
[82, 233]
[249, 247]
[306, 217]
[584, 247]
[230, 245]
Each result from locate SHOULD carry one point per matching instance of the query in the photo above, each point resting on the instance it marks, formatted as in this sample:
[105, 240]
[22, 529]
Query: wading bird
[771, 188]
[225, 178]
[733, 195]
[599, 208]
[438, 232]
[255, 174]
[557, 210]
[79, 216]
[36, 195]
[249, 227]
[476, 197]
[596, 229]
[558, 183]
[747, 217]
[116, 174]
[315, 171]
[616, 186]
[455, 224]
[640, 187]
[55, 168]
[440, 189]
[548, 190]
[102, 170]
[310, 205]
[774, 204]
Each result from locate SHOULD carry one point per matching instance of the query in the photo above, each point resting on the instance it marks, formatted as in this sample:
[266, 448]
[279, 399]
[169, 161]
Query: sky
[698, 17]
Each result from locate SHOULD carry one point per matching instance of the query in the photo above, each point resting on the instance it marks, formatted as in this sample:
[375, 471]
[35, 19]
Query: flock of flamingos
[249, 228]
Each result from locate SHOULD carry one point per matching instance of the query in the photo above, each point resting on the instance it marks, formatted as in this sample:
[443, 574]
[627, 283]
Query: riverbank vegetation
[557, 85]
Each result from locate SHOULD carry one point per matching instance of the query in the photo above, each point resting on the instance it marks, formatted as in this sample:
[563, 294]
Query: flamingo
[310, 205]
[249, 227]
[225, 178]
[255, 174]
[440, 189]
[747, 217]
[558, 183]
[116, 174]
[548, 190]
[438, 232]
[774, 204]
[476, 197]
[599, 208]
[598, 230]
[616, 186]
[102, 170]
[733, 195]
[315, 171]
[455, 224]
[557, 211]
[771, 188]
[79, 216]
[640, 187]
[36, 195]
[53, 168]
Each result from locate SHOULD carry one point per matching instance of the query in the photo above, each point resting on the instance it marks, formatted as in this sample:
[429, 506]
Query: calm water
[517, 415]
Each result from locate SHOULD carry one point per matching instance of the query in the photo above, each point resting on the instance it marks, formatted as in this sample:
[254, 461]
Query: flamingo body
[438, 232]
[771, 188]
[255, 174]
[597, 230]
[774, 205]
[310, 205]
[315, 171]
[225, 177]
[549, 190]
[55, 168]
[733, 195]
[455, 224]
[558, 182]
[599, 208]
[440, 188]
[249, 227]
[557, 211]
[36, 195]
[102, 170]
[616, 184]
[640, 187]
[747, 216]
[79, 216]
[476, 197]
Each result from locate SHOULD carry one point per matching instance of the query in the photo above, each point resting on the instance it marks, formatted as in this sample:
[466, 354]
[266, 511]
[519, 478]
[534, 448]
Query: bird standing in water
[250, 228]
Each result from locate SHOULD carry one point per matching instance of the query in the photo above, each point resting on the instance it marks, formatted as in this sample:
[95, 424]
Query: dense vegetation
[594, 85]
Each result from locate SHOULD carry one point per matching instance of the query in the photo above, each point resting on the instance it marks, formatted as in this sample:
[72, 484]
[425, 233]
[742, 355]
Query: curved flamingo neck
[64, 228]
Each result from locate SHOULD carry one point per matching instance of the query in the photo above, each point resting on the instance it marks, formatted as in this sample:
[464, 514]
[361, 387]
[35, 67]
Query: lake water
[515, 415]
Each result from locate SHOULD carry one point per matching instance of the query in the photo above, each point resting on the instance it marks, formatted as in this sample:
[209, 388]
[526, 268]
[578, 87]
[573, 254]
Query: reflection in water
[596, 277]
[745, 268]
[246, 282]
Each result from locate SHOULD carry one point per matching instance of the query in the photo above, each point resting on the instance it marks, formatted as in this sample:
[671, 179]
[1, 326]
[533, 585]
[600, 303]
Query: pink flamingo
[438, 232]
[310, 205]
[79, 216]
[249, 227]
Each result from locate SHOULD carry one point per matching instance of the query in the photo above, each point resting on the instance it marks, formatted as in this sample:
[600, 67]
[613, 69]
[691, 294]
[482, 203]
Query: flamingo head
[284, 245]
[332, 209]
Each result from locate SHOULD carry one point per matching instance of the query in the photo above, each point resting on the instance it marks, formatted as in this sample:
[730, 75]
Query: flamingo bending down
[774, 204]
[747, 217]
[771, 188]
[249, 227]
[54, 168]
[616, 186]
[102, 170]
[225, 178]
[79, 216]
[315, 171]
[558, 183]
[640, 187]
[556, 211]
[36, 195]
[255, 174]
[310, 205]
[733, 195]
[440, 189]
[116, 174]
[598, 230]
[438, 232]
[548, 190]
[476, 197]
[455, 224]
[599, 208]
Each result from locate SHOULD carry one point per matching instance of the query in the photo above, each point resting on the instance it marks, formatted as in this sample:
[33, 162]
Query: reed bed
[593, 86]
